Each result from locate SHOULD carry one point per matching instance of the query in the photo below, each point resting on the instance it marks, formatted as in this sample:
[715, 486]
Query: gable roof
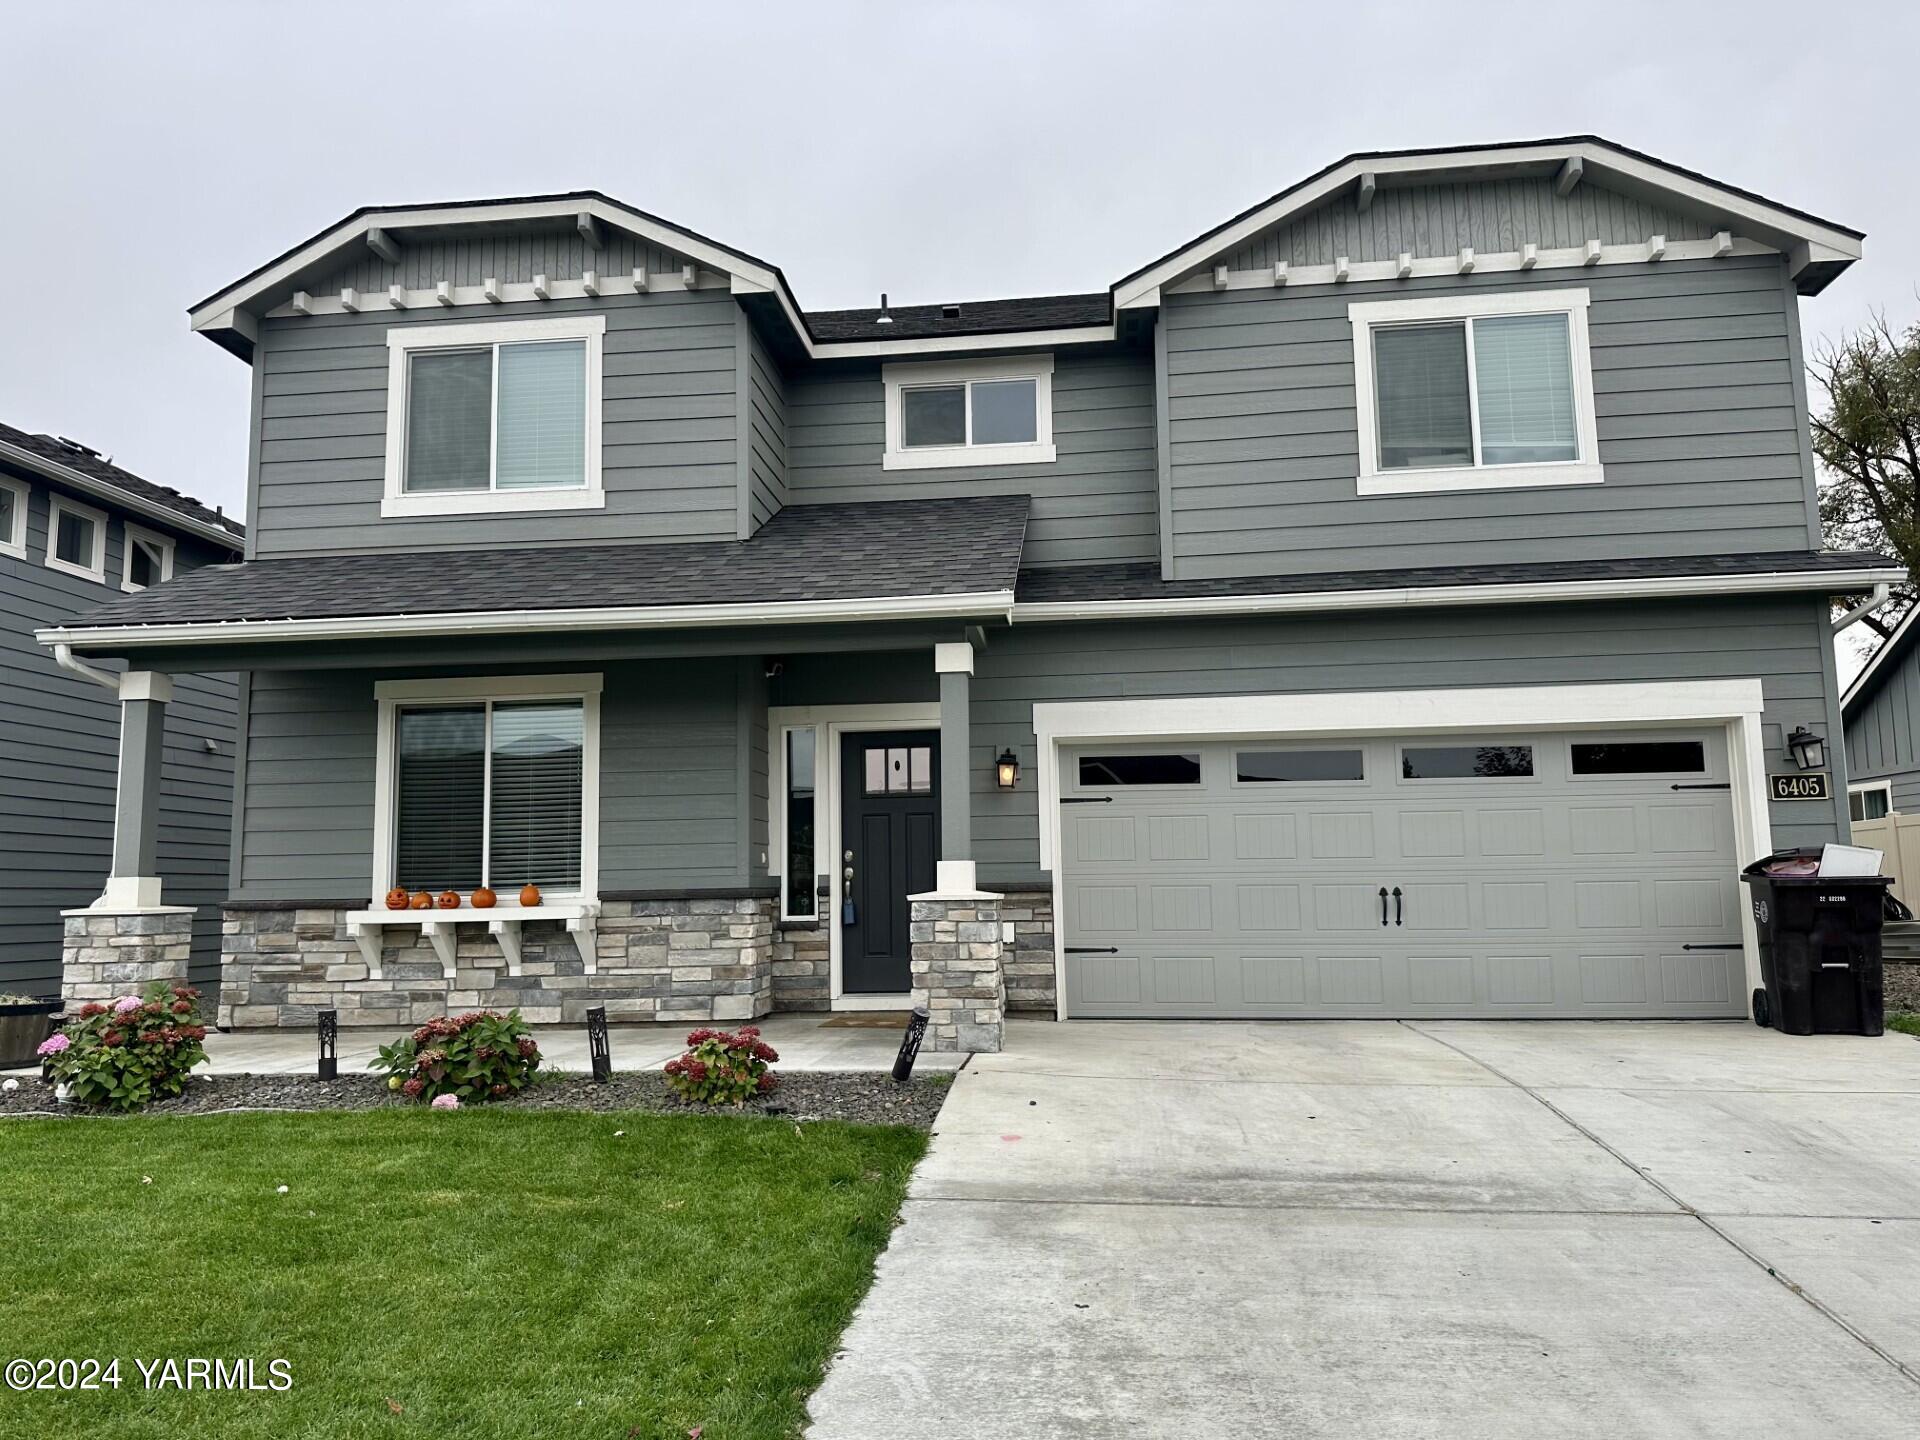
[1882, 663]
[1817, 249]
[86, 471]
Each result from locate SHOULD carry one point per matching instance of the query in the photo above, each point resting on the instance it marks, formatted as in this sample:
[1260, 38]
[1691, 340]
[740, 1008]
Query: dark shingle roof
[976, 317]
[1141, 581]
[89, 463]
[884, 550]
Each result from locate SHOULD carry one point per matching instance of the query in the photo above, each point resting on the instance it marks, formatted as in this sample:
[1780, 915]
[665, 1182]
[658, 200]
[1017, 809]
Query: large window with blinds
[496, 416]
[1474, 392]
[489, 789]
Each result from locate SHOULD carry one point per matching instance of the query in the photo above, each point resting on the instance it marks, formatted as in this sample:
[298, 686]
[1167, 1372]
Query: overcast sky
[152, 153]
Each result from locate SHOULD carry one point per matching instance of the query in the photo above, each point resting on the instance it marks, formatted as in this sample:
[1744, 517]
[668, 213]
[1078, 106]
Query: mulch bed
[862, 1097]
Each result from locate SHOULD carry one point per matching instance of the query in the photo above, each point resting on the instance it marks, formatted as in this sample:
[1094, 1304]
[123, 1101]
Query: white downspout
[1873, 602]
[64, 657]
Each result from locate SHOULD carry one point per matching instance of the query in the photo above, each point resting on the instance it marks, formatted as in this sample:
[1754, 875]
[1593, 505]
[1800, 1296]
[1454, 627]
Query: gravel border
[860, 1097]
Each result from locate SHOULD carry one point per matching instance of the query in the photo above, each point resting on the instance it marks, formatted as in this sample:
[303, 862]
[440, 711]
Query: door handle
[1396, 905]
[1383, 906]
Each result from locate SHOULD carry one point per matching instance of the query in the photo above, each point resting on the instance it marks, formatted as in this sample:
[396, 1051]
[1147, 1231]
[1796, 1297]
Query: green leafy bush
[130, 1051]
[482, 1055]
[723, 1067]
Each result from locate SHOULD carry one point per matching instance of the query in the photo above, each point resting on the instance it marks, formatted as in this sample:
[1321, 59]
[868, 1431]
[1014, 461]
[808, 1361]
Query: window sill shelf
[440, 927]
[974, 457]
[1480, 477]
[491, 502]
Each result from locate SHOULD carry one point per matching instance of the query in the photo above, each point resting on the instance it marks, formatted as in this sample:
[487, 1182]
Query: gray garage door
[1588, 875]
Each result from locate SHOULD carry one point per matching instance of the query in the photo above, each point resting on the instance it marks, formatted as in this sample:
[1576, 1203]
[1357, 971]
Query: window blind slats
[449, 419]
[543, 416]
[1524, 373]
[440, 776]
[538, 753]
[1420, 395]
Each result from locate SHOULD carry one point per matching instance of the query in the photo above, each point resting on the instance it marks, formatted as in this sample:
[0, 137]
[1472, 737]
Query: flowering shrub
[481, 1055]
[124, 1054]
[723, 1067]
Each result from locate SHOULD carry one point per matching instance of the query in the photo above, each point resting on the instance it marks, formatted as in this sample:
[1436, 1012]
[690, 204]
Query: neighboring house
[1881, 707]
[1389, 603]
[75, 529]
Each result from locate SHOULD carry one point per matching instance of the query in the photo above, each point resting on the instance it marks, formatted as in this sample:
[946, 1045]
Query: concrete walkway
[804, 1043]
[1427, 1229]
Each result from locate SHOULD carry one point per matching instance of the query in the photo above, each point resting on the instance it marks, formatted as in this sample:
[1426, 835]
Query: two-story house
[1390, 603]
[75, 529]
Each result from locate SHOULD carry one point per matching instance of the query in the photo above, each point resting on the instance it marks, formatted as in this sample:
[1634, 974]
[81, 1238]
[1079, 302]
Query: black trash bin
[1819, 949]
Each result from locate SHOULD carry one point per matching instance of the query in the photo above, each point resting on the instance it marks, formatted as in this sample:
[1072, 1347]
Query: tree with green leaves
[1867, 437]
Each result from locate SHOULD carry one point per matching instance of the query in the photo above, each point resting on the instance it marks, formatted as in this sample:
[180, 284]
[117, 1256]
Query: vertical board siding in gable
[511, 256]
[766, 402]
[59, 764]
[668, 435]
[1097, 501]
[1490, 216]
[1694, 389]
[1881, 743]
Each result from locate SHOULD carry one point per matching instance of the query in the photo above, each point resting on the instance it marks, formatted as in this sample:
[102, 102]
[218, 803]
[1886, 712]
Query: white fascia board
[1410, 597]
[951, 344]
[981, 604]
[122, 499]
[1766, 222]
[1872, 666]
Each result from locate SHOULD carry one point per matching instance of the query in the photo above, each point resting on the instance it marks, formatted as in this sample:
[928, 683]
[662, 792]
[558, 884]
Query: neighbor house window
[148, 560]
[13, 517]
[76, 538]
[1870, 802]
[489, 783]
[1474, 392]
[490, 417]
[969, 412]
[800, 814]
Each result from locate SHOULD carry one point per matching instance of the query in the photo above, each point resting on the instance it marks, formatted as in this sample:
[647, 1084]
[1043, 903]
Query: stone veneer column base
[680, 961]
[118, 952]
[958, 971]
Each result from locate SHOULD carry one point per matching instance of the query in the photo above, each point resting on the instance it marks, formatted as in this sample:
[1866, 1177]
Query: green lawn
[473, 1274]
[1905, 1024]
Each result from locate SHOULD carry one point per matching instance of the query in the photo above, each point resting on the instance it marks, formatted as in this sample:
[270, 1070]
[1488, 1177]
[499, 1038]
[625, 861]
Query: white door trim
[1735, 704]
[830, 722]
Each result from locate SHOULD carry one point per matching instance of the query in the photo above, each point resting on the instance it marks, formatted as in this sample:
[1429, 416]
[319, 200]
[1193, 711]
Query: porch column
[954, 664]
[133, 880]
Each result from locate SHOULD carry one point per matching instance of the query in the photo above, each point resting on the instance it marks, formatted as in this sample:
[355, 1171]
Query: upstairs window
[1474, 392]
[13, 517]
[148, 560]
[969, 412]
[76, 539]
[494, 417]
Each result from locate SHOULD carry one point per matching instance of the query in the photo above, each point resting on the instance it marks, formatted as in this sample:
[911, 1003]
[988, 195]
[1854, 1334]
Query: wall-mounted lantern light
[1009, 767]
[1809, 750]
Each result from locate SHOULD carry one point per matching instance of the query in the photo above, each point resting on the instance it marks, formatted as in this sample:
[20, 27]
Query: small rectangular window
[933, 415]
[996, 411]
[1100, 771]
[149, 559]
[1420, 381]
[76, 538]
[1305, 767]
[1640, 757]
[800, 864]
[1873, 803]
[74, 542]
[1466, 762]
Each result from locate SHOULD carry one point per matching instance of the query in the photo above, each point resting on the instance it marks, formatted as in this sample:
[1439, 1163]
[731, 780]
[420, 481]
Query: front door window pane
[1420, 396]
[933, 415]
[449, 419]
[1005, 412]
[1523, 372]
[543, 416]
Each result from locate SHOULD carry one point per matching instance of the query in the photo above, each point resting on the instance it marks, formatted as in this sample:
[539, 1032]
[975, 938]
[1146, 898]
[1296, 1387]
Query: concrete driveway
[1421, 1229]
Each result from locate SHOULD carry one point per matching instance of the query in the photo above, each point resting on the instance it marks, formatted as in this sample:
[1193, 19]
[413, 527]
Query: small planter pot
[22, 1028]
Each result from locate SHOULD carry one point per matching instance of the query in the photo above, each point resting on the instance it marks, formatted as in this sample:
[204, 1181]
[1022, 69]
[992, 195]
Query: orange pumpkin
[398, 898]
[484, 899]
[449, 900]
[421, 901]
[530, 895]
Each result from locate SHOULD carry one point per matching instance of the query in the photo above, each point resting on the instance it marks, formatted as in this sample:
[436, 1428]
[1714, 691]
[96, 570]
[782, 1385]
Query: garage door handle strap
[1397, 905]
[1723, 785]
[1383, 906]
[1086, 799]
[1093, 949]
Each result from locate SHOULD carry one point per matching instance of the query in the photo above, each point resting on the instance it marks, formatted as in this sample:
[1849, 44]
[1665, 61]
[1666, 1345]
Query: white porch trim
[1735, 704]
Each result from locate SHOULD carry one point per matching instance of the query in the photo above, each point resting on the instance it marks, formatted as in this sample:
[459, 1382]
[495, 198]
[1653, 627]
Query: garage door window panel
[1299, 767]
[1638, 757]
[1467, 760]
[1159, 768]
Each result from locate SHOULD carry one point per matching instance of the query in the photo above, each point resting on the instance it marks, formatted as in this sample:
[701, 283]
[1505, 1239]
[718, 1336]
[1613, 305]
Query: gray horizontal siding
[1489, 215]
[669, 432]
[764, 429]
[1695, 372]
[1096, 501]
[59, 761]
[1883, 741]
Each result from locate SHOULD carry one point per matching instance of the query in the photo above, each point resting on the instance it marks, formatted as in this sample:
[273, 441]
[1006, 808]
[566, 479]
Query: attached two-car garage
[1587, 874]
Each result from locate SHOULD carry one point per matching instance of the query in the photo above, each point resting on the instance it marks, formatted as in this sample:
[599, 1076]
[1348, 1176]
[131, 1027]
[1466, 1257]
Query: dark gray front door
[890, 842]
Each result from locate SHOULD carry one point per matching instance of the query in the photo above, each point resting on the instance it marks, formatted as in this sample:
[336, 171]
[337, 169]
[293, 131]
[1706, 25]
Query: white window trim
[900, 377]
[403, 341]
[392, 695]
[14, 542]
[1862, 788]
[778, 840]
[1366, 316]
[58, 505]
[140, 534]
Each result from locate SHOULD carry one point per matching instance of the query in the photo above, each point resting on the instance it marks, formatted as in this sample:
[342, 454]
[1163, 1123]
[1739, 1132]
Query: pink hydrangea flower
[446, 1102]
[53, 1045]
[126, 1004]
